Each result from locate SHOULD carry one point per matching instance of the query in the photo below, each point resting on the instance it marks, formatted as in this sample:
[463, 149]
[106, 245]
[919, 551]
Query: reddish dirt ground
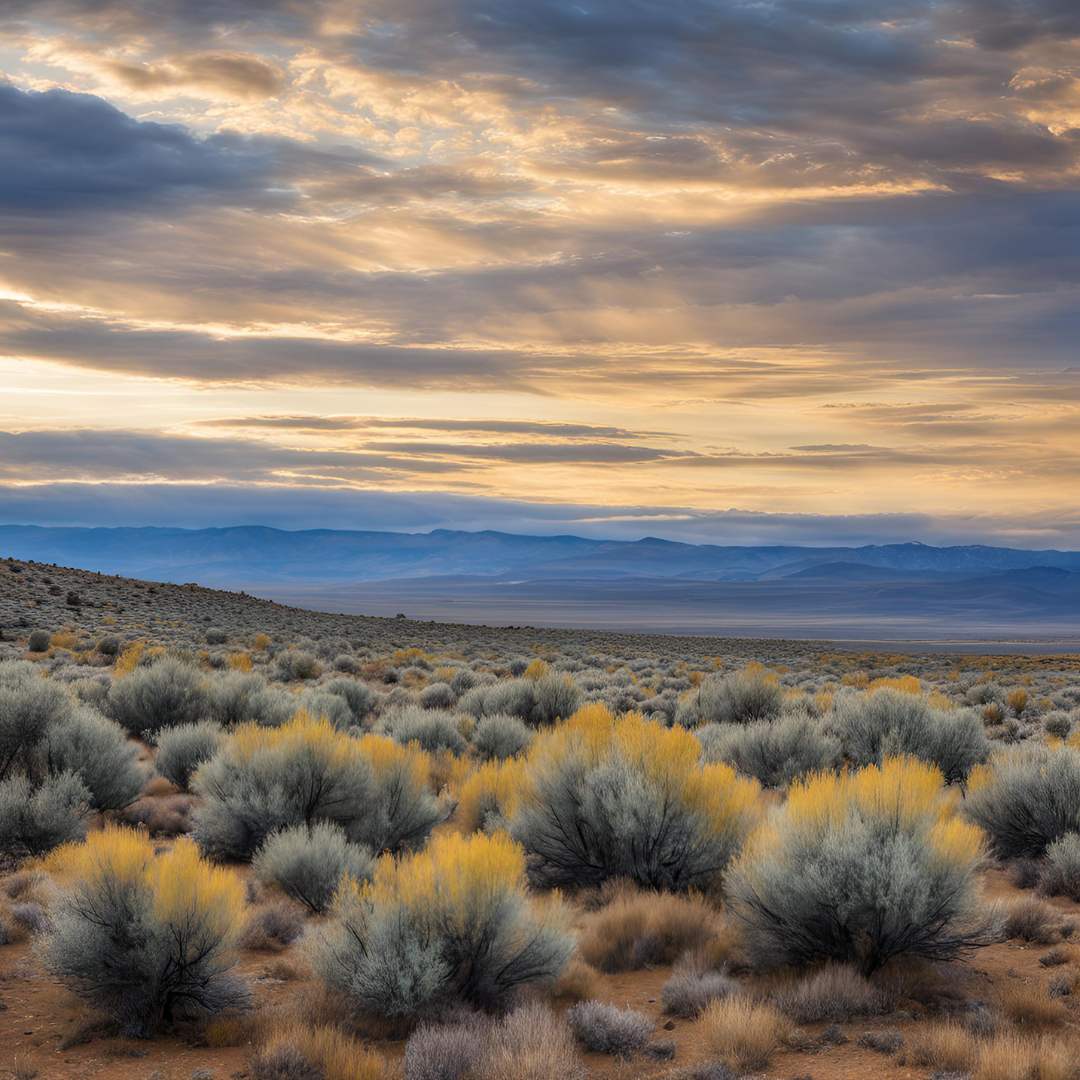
[36, 1012]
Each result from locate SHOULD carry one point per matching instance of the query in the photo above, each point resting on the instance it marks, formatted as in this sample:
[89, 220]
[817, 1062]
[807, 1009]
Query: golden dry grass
[742, 1033]
[640, 929]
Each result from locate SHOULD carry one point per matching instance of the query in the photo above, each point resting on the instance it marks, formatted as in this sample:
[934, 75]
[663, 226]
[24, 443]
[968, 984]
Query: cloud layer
[799, 257]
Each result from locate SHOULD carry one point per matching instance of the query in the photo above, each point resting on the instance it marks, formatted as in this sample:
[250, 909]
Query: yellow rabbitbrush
[451, 922]
[143, 935]
[605, 797]
[862, 866]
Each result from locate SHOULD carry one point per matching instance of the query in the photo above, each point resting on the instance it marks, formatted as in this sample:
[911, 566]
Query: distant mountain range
[886, 591]
[253, 553]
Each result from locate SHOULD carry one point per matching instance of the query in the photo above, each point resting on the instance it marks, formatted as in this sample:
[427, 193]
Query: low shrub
[775, 752]
[262, 780]
[438, 696]
[30, 707]
[1063, 873]
[181, 750]
[295, 665]
[888, 723]
[431, 729]
[39, 641]
[607, 798]
[274, 925]
[860, 867]
[145, 937]
[309, 862]
[238, 697]
[499, 737]
[360, 698]
[1030, 919]
[743, 698]
[450, 923]
[690, 990]
[295, 1050]
[556, 699]
[510, 697]
[638, 930]
[1026, 799]
[168, 693]
[95, 750]
[489, 797]
[742, 1033]
[528, 1044]
[833, 994]
[36, 818]
[605, 1029]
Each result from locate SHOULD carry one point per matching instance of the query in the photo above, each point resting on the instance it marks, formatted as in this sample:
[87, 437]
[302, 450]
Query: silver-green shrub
[168, 693]
[181, 750]
[309, 863]
[1063, 878]
[773, 751]
[36, 818]
[860, 868]
[96, 750]
[556, 699]
[501, 737]
[301, 776]
[360, 698]
[438, 695]
[740, 698]
[888, 722]
[432, 729]
[147, 938]
[1026, 799]
[451, 924]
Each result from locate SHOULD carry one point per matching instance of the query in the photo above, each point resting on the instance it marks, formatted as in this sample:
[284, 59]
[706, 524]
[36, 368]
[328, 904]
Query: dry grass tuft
[642, 929]
[944, 1045]
[578, 982]
[835, 993]
[743, 1034]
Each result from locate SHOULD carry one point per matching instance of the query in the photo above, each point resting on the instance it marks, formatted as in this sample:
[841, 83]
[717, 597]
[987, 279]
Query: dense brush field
[244, 840]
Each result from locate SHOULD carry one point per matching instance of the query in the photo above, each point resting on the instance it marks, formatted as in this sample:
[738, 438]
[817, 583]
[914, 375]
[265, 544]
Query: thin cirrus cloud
[797, 256]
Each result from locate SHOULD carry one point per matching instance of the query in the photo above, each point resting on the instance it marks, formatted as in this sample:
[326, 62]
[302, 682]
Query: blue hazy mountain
[257, 554]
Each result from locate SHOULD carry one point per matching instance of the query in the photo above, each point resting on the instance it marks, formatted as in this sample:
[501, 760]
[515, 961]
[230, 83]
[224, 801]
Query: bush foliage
[308, 863]
[307, 771]
[605, 798]
[1026, 799]
[860, 867]
[145, 937]
[449, 923]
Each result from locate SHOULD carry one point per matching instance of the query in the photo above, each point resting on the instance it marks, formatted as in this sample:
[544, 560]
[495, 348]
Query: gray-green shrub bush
[1028, 798]
[740, 698]
[96, 750]
[39, 641]
[168, 693]
[858, 869]
[594, 812]
[888, 722]
[309, 863]
[512, 697]
[773, 751]
[147, 948]
[181, 750]
[439, 695]
[360, 698]
[501, 737]
[432, 729]
[293, 779]
[556, 699]
[605, 1029]
[450, 924]
[36, 818]
[1063, 876]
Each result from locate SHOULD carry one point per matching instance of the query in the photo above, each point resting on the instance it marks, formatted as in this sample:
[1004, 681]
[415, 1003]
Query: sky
[769, 271]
